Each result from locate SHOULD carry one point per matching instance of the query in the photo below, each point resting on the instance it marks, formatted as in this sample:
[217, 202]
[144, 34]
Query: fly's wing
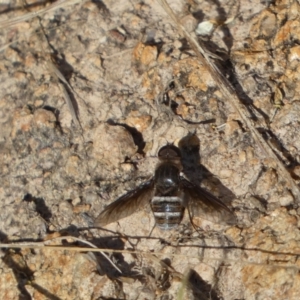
[127, 204]
[201, 203]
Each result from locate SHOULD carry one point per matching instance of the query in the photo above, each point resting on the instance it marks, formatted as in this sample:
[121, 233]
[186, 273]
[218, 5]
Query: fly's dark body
[168, 194]
[167, 205]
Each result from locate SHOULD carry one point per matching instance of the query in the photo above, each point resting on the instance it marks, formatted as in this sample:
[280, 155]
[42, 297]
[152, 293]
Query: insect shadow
[199, 288]
[41, 207]
[104, 266]
[198, 174]
[22, 273]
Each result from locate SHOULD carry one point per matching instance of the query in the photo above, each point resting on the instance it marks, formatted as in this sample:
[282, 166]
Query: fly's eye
[169, 152]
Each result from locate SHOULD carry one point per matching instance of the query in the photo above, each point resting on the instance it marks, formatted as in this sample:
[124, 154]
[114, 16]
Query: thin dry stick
[55, 72]
[2, 48]
[26, 17]
[93, 246]
[183, 286]
[31, 245]
[43, 245]
[231, 96]
[61, 81]
[60, 77]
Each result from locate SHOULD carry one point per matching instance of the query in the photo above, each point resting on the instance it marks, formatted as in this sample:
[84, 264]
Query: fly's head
[169, 153]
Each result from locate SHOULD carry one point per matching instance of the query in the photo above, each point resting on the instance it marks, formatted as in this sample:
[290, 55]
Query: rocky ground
[91, 90]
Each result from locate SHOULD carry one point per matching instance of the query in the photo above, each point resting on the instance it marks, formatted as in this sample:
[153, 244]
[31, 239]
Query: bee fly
[168, 194]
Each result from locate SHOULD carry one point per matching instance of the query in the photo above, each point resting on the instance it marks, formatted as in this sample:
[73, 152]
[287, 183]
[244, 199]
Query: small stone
[21, 121]
[65, 206]
[116, 35]
[13, 55]
[38, 103]
[46, 158]
[30, 60]
[266, 182]
[45, 118]
[135, 21]
[294, 53]
[4, 110]
[163, 58]
[183, 110]
[296, 171]
[207, 272]
[21, 76]
[289, 31]
[113, 144]
[41, 90]
[194, 74]
[265, 25]
[72, 166]
[231, 127]
[242, 156]
[249, 84]
[213, 104]
[286, 199]
[205, 28]
[189, 23]
[127, 167]
[91, 197]
[140, 122]
[81, 208]
[34, 144]
[177, 44]
[76, 201]
[145, 54]
[226, 173]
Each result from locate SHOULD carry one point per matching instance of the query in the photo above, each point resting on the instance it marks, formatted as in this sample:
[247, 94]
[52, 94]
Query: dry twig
[26, 17]
[34, 245]
[59, 76]
[152, 255]
[231, 96]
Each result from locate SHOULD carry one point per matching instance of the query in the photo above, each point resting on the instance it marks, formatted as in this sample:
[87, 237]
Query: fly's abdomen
[167, 211]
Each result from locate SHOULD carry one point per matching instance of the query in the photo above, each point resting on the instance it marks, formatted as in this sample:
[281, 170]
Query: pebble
[139, 122]
[193, 73]
[72, 165]
[22, 119]
[266, 182]
[231, 127]
[205, 28]
[81, 208]
[294, 53]
[113, 144]
[286, 199]
[144, 54]
[44, 118]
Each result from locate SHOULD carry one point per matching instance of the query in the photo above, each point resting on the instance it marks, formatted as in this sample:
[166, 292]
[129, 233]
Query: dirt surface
[134, 85]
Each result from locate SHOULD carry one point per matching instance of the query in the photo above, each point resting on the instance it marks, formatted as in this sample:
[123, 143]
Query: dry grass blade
[70, 105]
[93, 246]
[39, 245]
[231, 96]
[26, 17]
[60, 77]
[2, 48]
[32, 245]
[183, 287]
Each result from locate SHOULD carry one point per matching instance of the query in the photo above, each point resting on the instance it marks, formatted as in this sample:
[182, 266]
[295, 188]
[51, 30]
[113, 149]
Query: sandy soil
[91, 91]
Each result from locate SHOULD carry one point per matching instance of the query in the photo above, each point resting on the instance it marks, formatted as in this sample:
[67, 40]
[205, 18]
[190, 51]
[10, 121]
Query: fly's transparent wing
[127, 204]
[201, 203]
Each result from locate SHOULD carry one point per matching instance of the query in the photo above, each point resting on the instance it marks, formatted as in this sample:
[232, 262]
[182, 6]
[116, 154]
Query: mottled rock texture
[136, 85]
